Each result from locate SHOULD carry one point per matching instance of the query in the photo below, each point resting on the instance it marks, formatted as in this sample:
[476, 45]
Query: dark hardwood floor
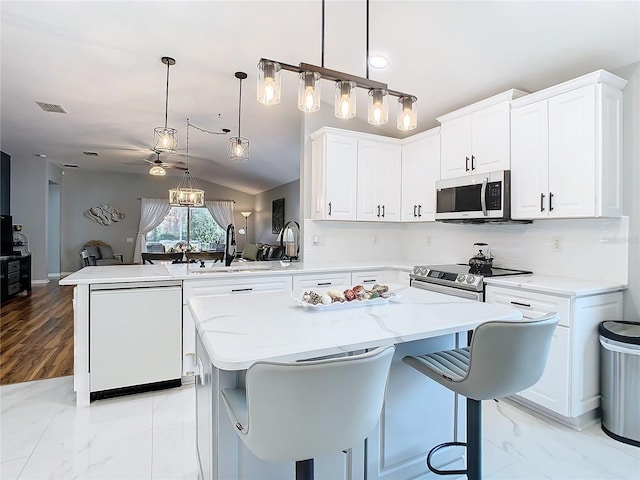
[36, 334]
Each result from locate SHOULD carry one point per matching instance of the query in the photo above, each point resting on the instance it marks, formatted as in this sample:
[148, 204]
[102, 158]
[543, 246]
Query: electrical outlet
[429, 240]
[129, 240]
[375, 239]
[316, 240]
[556, 244]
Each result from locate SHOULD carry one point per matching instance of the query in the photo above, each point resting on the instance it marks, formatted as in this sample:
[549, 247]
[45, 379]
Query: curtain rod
[214, 200]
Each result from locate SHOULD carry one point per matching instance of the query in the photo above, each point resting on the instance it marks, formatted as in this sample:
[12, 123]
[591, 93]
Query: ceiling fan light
[378, 113]
[157, 170]
[309, 91]
[407, 113]
[269, 82]
[345, 99]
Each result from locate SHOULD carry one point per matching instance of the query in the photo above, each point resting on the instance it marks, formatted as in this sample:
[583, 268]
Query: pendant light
[186, 194]
[165, 139]
[309, 91]
[269, 82]
[239, 146]
[407, 114]
[378, 108]
[345, 99]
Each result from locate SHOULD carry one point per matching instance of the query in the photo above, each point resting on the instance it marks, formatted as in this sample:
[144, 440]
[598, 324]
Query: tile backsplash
[579, 248]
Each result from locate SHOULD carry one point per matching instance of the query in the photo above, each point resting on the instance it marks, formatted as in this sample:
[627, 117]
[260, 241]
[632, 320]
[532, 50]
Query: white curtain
[152, 213]
[221, 211]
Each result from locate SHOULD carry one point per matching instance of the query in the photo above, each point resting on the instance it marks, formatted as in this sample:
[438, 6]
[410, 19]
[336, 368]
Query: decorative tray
[338, 306]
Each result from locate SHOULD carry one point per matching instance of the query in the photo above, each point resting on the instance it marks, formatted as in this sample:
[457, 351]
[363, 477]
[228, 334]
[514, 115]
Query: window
[187, 226]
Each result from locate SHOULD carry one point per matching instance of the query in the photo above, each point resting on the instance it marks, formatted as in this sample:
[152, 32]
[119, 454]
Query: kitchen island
[233, 333]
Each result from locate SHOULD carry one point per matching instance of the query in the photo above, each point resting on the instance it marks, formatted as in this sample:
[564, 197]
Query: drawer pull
[242, 289]
[324, 284]
[522, 304]
[369, 281]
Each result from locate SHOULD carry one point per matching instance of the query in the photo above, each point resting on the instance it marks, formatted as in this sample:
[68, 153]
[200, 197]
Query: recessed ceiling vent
[70, 165]
[90, 154]
[51, 107]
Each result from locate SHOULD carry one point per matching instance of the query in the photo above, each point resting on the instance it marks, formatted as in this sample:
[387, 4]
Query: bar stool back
[504, 358]
[295, 411]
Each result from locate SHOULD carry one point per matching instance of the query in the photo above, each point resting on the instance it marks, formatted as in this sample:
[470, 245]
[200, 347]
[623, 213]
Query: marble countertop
[191, 271]
[237, 333]
[556, 285]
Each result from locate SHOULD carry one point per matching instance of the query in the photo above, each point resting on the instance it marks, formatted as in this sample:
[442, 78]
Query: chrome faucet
[230, 245]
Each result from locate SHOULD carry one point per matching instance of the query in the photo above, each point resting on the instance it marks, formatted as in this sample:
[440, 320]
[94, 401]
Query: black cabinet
[15, 275]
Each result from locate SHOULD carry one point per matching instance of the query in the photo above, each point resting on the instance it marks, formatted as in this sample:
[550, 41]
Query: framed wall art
[277, 215]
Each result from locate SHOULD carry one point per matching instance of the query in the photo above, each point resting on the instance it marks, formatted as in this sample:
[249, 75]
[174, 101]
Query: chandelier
[186, 194]
[270, 82]
[165, 139]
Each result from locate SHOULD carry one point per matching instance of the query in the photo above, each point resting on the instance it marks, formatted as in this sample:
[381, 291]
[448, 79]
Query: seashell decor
[104, 214]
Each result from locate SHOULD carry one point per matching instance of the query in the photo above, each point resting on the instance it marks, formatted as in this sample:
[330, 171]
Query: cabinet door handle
[542, 195]
[378, 210]
[414, 210]
[466, 164]
[241, 289]
[373, 280]
[472, 159]
[329, 208]
[522, 304]
[382, 211]
[550, 202]
[419, 210]
[323, 284]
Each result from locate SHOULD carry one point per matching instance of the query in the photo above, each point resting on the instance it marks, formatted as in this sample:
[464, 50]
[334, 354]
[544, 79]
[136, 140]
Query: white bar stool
[504, 358]
[295, 411]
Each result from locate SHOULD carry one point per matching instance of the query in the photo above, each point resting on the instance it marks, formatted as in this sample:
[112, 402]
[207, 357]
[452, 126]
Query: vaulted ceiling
[100, 60]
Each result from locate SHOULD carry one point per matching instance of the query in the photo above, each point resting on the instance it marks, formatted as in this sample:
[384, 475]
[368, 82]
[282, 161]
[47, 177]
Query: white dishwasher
[135, 337]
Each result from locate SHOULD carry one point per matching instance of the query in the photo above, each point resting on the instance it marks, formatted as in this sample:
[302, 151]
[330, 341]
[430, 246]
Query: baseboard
[576, 423]
[54, 275]
[39, 282]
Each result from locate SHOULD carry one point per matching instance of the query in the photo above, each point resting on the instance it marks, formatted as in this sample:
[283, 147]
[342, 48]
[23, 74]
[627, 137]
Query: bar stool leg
[474, 439]
[304, 469]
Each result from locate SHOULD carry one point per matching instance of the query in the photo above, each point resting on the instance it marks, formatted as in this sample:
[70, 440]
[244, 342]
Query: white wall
[260, 221]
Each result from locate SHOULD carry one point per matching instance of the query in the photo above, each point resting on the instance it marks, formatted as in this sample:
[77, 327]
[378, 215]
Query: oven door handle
[483, 199]
[456, 292]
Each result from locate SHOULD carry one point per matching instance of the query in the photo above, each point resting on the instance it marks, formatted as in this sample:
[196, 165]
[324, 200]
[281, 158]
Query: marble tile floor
[152, 436]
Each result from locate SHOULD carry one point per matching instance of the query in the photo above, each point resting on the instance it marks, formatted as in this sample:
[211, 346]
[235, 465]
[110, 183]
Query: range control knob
[416, 270]
[471, 279]
[423, 271]
[460, 278]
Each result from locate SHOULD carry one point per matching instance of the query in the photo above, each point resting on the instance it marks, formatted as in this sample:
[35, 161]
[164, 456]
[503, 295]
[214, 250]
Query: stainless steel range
[457, 279]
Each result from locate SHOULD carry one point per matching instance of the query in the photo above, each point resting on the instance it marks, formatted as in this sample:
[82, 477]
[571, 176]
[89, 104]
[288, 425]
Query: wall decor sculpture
[104, 214]
[277, 215]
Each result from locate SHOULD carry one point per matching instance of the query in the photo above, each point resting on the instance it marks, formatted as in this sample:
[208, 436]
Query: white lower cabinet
[321, 281]
[569, 389]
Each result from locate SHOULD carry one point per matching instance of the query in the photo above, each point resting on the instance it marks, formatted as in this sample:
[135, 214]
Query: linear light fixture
[186, 194]
[269, 89]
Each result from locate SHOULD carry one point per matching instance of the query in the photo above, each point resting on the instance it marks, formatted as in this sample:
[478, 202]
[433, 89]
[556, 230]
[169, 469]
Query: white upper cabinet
[334, 164]
[476, 139]
[420, 170]
[379, 180]
[566, 150]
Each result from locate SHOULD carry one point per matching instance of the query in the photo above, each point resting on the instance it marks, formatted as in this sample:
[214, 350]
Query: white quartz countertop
[272, 326]
[191, 271]
[556, 285]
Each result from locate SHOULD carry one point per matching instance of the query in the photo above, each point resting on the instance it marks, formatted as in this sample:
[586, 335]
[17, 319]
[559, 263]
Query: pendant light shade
[407, 114]
[239, 146]
[345, 102]
[378, 109]
[309, 91]
[269, 82]
[186, 194]
[165, 139]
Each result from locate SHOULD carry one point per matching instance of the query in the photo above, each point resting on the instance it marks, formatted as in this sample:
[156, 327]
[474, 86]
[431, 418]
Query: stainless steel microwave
[484, 197]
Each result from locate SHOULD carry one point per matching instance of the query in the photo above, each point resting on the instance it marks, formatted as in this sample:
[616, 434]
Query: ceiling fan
[158, 166]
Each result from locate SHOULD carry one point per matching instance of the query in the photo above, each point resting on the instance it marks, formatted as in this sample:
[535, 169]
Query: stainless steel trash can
[620, 380]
